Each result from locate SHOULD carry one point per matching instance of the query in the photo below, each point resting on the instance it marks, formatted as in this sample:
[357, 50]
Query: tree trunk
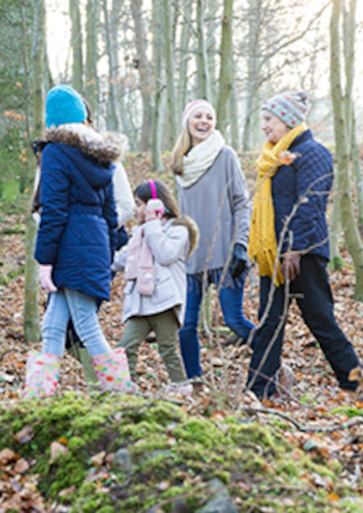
[76, 43]
[349, 29]
[202, 63]
[253, 71]
[157, 35]
[144, 69]
[31, 323]
[112, 121]
[351, 233]
[92, 82]
[225, 72]
[184, 57]
[169, 65]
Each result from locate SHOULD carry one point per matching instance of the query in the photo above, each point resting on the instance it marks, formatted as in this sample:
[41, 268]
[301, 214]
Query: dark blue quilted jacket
[310, 177]
[77, 233]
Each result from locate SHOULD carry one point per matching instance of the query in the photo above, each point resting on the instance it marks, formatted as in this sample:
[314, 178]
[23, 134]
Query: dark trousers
[316, 305]
[231, 298]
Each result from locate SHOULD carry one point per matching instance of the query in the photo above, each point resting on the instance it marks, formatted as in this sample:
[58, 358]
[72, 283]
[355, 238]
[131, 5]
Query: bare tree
[157, 34]
[92, 81]
[351, 233]
[225, 73]
[76, 44]
[31, 313]
[169, 66]
[143, 66]
[202, 62]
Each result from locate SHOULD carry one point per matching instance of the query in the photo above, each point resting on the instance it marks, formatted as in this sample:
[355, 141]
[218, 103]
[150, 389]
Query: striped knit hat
[291, 108]
[193, 106]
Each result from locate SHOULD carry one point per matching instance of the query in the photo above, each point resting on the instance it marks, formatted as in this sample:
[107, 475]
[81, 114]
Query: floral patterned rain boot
[112, 370]
[42, 374]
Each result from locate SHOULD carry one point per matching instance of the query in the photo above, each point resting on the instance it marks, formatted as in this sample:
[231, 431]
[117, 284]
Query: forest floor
[308, 410]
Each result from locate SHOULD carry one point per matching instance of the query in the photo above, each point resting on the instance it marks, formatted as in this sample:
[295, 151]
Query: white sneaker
[182, 388]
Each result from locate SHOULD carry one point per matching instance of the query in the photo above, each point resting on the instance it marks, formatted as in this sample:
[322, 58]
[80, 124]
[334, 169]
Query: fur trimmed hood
[105, 147]
[193, 231]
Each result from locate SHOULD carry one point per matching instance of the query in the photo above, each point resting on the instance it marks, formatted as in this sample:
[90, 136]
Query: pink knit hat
[193, 106]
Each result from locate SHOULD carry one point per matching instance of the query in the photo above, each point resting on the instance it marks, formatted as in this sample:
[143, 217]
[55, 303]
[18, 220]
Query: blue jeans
[231, 299]
[70, 304]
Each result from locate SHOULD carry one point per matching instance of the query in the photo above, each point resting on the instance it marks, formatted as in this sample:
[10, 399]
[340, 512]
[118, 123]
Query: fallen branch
[300, 427]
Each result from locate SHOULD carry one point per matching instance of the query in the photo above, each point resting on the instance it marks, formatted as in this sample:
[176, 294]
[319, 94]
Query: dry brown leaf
[7, 455]
[24, 435]
[57, 449]
[21, 466]
[97, 459]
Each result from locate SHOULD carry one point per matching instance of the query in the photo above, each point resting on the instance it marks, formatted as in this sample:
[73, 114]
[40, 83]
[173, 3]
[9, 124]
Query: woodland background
[138, 63]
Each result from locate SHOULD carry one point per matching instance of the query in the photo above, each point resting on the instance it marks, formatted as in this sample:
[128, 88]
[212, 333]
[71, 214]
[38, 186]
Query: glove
[239, 260]
[290, 265]
[45, 278]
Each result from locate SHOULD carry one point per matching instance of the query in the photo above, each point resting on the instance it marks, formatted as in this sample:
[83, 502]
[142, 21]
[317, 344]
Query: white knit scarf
[200, 158]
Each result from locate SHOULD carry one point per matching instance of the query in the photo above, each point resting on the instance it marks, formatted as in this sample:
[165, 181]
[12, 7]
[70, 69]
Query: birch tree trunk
[169, 65]
[76, 43]
[157, 34]
[144, 73]
[225, 73]
[92, 82]
[351, 233]
[31, 323]
[202, 62]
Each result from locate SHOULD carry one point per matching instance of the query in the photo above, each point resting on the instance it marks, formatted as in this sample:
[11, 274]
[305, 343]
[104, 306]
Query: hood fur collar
[104, 147]
[193, 231]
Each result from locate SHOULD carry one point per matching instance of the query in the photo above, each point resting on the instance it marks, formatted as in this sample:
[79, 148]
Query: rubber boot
[42, 374]
[112, 370]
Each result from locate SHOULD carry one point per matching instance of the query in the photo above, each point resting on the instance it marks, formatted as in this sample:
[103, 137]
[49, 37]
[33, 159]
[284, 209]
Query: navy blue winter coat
[311, 174]
[77, 233]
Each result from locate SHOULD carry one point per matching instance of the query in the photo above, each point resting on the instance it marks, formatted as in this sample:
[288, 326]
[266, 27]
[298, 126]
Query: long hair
[181, 148]
[143, 192]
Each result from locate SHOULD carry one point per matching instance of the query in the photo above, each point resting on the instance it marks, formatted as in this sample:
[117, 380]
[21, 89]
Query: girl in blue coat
[76, 241]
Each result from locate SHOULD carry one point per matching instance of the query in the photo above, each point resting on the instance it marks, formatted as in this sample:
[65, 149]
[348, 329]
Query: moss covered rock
[171, 455]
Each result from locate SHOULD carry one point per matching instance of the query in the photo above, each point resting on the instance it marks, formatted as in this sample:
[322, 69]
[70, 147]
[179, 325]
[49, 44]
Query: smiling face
[139, 210]
[200, 124]
[274, 128]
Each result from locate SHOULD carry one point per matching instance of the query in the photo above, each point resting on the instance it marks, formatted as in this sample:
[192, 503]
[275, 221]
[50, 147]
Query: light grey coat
[170, 244]
[217, 202]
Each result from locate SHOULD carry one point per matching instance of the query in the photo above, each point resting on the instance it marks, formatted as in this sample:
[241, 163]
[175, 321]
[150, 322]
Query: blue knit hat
[64, 105]
[291, 107]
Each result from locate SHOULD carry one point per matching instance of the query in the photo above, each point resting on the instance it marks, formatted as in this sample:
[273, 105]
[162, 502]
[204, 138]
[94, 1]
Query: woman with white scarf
[212, 191]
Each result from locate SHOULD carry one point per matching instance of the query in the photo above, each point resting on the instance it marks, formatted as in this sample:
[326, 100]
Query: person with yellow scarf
[289, 242]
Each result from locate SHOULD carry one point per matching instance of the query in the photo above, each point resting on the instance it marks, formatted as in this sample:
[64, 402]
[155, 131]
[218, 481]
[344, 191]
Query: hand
[239, 260]
[151, 215]
[291, 265]
[45, 278]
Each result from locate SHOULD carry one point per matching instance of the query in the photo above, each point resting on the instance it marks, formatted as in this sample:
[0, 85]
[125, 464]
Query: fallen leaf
[24, 435]
[67, 491]
[57, 449]
[98, 458]
[7, 455]
[21, 466]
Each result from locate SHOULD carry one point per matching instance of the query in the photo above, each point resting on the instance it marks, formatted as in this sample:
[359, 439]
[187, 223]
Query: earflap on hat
[64, 105]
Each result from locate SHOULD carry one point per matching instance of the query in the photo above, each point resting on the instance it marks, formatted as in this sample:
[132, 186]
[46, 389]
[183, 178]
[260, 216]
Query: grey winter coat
[218, 203]
[170, 244]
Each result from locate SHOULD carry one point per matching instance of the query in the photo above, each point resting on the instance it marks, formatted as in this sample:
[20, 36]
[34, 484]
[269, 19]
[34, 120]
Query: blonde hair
[181, 148]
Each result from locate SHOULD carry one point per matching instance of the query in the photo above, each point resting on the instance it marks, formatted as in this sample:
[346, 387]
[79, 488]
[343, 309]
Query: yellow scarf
[262, 242]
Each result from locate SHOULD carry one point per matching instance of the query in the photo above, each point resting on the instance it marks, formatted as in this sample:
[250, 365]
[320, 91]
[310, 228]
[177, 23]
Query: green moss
[165, 445]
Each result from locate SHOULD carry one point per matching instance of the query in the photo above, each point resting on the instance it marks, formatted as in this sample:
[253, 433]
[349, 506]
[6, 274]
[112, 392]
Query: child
[154, 263]
[76, 238]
